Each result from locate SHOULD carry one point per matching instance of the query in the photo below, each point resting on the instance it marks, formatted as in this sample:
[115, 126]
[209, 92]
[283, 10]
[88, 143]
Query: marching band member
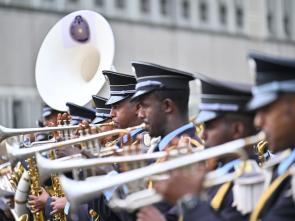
[274, 102]
[225, 118]
[59, 204]
[80, 113]
[49, 116]
[102, 110]
[103, 115]
[50, 204]
[163, 94]
[124, 114]
[170, 121]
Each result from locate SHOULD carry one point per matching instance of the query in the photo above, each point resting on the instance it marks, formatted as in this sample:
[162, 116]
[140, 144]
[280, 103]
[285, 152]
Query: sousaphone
[71, 59]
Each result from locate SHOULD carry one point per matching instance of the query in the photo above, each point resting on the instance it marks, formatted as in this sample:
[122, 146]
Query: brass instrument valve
[261, 148]
[16, 174]
[65, 122]
[59, 119]
[94, 215]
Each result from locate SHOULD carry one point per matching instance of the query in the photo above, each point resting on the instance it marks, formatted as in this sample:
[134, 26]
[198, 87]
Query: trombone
[88, 189]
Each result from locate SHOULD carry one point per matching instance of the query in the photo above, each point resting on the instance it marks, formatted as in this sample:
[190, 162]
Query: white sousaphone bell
[71, 59]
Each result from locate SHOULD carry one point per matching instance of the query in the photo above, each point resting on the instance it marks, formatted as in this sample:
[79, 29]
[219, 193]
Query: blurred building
[207, 36]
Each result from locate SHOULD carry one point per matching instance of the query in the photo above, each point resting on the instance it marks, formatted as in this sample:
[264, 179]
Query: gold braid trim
[219, 196]
[267, 194]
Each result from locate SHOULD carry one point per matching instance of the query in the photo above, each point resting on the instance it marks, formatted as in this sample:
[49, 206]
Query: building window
[239, 17]
[164, 7]
[222, 14]
[17, 112]
[287, 25]
[203, 9]
[270, 22]
[99, 3]
[271, 16]
[145, 6]
[120, 4]
[288, 13]
[185, 9]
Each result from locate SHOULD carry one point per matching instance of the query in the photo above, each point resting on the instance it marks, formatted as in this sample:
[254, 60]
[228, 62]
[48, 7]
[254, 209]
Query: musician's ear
[238, 129]
[168, 105]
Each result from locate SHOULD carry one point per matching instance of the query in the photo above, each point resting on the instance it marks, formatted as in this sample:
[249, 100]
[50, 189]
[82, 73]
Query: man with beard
[274, 102]
[163, 94]
[225, 118]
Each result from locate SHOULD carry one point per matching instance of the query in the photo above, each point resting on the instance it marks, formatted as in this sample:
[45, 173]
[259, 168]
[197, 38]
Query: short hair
[179, 97]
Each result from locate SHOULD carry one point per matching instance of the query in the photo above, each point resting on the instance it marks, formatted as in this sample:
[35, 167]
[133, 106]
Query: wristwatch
[189, 202]
[67, 208]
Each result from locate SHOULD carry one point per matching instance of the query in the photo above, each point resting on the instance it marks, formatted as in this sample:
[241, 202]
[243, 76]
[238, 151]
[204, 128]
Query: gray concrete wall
[217, 53]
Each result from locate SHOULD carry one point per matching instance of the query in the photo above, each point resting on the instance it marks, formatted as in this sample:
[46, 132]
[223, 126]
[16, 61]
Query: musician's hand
[58, 204]
[150, 213]
[182, 183]
[67, 151]
[10, 201]
[37, 203]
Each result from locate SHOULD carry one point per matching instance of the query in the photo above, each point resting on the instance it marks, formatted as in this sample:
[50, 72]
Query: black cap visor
[205, 116]
[115, 99]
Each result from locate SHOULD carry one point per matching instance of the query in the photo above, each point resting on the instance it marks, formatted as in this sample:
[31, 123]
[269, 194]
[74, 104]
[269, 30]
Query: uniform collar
[169, 137]
[227, 167]
[285, 164]
[133, 134]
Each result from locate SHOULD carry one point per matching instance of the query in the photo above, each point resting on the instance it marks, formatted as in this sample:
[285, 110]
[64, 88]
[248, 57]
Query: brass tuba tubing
[16, 153]
[78, 192]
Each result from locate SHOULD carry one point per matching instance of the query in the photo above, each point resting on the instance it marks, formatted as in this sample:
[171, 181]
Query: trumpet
[46, 166]
[10, 132]
[262, 151]
[86, 190]
[15, 153]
